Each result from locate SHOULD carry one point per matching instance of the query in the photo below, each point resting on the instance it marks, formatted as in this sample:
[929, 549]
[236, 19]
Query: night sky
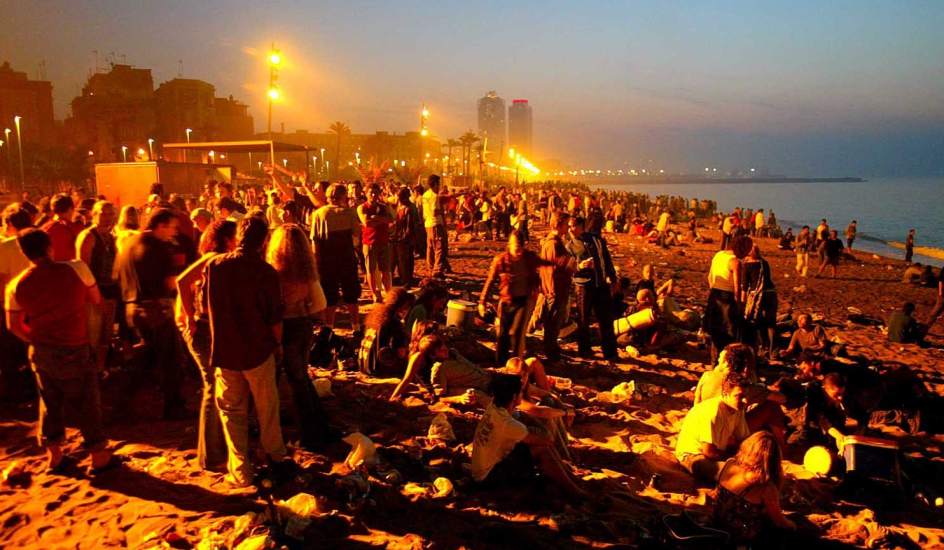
[851, 88]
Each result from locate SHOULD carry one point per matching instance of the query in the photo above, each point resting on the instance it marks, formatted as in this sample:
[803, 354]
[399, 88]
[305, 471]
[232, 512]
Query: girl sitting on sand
[445, 376]
[539, 403]
[747, 498]
[383, 350]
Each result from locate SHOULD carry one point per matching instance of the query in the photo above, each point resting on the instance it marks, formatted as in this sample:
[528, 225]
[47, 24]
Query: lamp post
[189, 131]
[19, 145]
[151, 149]
[124, 153]
[275, 59]
[6, 134]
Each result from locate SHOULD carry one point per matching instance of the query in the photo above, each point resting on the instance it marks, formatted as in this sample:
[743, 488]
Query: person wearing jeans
[594, 278]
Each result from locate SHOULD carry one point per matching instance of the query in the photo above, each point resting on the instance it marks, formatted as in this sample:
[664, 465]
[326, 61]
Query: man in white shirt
[713, 429]
[434, 221]
[505, 451]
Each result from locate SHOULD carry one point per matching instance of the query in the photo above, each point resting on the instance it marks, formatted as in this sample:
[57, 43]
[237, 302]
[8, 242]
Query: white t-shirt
[711, 422]
[496, 435]
[432, 212]
[720, 276]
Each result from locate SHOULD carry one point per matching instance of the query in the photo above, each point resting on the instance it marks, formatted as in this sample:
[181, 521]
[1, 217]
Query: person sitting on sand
[912, 274]
[786, 241]
[903, 328]
[448, 379]
[811, 337]
[430, 303]
[383, 350]
[540, 403]
[712, 429]
[747, 498]
[506, 451]
[939, 304]
[830, 252]
[764, 405]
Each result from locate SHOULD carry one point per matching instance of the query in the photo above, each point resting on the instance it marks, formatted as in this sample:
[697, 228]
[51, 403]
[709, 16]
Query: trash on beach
[14, 474]
[624, 391]
[443, 486]
[560, 382]
[296, 514]
[255, 542]
[322, 387]
[440, 429]
[363, 450]
[799, 289]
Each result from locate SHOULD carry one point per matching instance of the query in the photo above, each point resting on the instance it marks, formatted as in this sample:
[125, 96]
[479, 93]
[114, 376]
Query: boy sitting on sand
[811, 337]
[505, 451]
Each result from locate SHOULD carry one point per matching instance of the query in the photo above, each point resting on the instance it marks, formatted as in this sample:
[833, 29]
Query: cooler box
[459, 313]
[637, 321]
[872, 458]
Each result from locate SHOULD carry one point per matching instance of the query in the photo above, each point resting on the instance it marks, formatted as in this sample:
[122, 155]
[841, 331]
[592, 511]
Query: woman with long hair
[194, 325]
[430, 301]
[760, 304]
[748, 491]
[290, 253]
[383, 350]
[444, 375]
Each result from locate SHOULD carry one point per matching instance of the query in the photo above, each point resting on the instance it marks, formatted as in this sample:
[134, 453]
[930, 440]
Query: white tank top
[720, 275]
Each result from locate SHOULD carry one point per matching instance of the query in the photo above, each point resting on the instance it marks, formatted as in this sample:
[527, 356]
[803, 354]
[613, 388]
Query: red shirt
[377, 220]
[62, 233]
[54, 297]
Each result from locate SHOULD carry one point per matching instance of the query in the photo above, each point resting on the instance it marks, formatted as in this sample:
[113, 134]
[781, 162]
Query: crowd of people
[239, 287]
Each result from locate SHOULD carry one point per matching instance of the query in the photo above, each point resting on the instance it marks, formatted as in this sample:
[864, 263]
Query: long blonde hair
[759, 454]
[290, 253]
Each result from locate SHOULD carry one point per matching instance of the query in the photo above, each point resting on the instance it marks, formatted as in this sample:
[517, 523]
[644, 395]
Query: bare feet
[55, 455]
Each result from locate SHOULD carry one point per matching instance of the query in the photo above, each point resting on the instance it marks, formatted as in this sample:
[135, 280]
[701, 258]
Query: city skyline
[799, 88]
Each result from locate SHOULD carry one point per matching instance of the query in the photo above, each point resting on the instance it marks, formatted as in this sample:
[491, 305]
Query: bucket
[637, 321]
[459, 313]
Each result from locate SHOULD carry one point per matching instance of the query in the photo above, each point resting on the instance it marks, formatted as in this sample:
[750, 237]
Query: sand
[160, 499]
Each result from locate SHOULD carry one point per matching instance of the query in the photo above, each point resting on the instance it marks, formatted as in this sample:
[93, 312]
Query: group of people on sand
[239, 287]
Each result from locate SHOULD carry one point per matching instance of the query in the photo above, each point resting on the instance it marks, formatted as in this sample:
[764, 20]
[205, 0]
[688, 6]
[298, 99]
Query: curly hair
[381, 314]
[290, 253]
[760, 455]
[215, 238]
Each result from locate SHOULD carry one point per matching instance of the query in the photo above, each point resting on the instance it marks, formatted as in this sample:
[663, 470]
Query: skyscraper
[519, 126]
[492, 122]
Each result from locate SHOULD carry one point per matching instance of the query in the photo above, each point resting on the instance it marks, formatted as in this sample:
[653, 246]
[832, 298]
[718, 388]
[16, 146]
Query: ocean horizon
[885, 208]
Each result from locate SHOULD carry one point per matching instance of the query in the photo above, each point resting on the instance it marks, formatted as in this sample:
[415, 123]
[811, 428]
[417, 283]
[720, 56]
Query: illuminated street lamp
[150, 148]
[19, 145]
[274, 59]
[124, 153]
[6, 134]
[189, 131]
[212, 156]
[140, 151]
[285, 163]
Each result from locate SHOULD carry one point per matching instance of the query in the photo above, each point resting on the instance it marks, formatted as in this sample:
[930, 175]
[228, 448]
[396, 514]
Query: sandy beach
[160, 499]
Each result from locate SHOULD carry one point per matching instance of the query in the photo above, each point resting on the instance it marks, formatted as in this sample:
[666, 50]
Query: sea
[885, 208]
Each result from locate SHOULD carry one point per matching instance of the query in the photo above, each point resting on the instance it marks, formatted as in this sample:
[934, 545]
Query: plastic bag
[363, 450]
[440, 429]
[298, 511]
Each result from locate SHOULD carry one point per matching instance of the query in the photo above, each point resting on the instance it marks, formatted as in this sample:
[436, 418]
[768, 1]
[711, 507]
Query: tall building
[116, 108]
[491, 110]
[184, 103]
[31, 100]
[519, 126]
[232, 120]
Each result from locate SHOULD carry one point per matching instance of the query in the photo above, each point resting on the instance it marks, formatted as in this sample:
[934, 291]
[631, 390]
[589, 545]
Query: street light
[150, 148]
[275, 59]
[19, 145]
[140, 151]
[124, 153]
[189, 131]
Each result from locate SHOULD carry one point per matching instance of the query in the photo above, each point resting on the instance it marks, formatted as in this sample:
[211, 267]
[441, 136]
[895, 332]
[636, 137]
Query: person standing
[14, 378]
[290, 253]
[54, 307]
[148, 278]
[244, 301]
[851, 231]
[723, 320]
[909, 245]
[594, 281]
[333, 229]
[831, 252]
[556, 281]
[194, 324]
[376, 219]
[434, 220]
[62, 229]
[96, 247]
[803, 243]
[518, 281]
[404, 237]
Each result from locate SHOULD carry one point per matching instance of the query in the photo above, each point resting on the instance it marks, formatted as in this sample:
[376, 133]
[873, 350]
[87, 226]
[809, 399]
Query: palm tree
[467, 140]
[451, 144]
[341, 130]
